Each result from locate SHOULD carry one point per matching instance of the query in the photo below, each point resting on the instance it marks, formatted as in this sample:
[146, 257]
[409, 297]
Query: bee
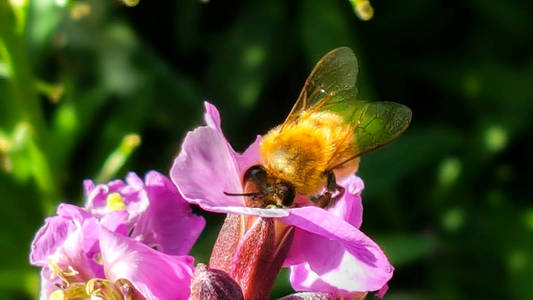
[322, 138]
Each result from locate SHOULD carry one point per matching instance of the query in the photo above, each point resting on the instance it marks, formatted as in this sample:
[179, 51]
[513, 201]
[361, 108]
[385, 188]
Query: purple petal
[49, 283]
[132, 192]
[72, 212]
[54, 233]
[212, 116]
[134, 196]
[74, 252]
[382, 291]
[49, 238]
[168, 223]
[116, 221]
[88, 187]
[205, 169]
[96, 195]
[350, 207]
[245, 160]
[250, 157]
[329, 252]
[153, 274]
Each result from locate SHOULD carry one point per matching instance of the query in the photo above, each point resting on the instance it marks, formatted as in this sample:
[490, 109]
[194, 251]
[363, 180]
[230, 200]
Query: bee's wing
[334, 73]
[331, 87]
[373, 124]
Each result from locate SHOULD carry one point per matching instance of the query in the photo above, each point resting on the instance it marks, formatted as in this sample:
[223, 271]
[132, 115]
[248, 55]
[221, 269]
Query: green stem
[26, 105]
[118, 158]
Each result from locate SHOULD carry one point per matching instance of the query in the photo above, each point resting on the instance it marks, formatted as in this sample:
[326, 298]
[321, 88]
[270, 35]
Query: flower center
[114, 201]
[94, 289]
[103, 289]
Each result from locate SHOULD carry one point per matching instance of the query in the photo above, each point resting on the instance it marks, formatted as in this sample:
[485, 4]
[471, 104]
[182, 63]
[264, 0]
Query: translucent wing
[334, 73]
[373, 124]
[331, 87]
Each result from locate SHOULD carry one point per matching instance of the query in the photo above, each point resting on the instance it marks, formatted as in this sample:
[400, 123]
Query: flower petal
[350, 206]
[116, 221]
[55, 231]
[77, 251]
[49, 283]
[205, 169]
[96, 194]
[153, 274]
[49, 238]
[333, 253]
[132, 192]
[212, 116]
[168, 223]
[134, 195]
[250, 156]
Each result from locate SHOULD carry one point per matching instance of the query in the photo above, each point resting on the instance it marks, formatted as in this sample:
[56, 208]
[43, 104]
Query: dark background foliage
[449, 201]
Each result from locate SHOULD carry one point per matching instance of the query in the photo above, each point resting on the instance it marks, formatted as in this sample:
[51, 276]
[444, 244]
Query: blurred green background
[450, 201]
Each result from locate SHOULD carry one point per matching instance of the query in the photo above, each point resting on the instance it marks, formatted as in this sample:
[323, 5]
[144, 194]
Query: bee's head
[267, 190]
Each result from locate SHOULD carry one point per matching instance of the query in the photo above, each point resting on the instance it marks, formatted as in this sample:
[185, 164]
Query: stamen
[126, 288]
[62, 274]
[71, 271]
[75, 291]
[98, 288]
[97, 258]
[114, 201]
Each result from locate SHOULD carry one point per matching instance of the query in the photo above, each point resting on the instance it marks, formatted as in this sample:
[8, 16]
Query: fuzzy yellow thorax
[301, 151]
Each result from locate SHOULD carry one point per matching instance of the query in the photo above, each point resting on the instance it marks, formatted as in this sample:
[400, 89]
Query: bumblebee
[322, 138]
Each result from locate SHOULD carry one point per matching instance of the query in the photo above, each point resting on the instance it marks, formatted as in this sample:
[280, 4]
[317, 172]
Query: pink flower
[152, 211]
[109, 248]
[328, 254]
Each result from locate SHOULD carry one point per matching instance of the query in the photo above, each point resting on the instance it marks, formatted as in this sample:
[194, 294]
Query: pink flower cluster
[131, 239]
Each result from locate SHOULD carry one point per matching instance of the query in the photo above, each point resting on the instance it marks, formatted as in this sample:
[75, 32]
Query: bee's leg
[323, 200]
[327, 200]
[333, 187]
[331, 183]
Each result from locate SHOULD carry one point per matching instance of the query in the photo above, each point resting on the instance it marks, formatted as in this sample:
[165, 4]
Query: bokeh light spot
[67, 120]
[495, 138]
[453, 219]
[517, 260]
[472, 85]
[130, 3]
[528, 219]
[363, 9]
[254, 56]
[449, 171]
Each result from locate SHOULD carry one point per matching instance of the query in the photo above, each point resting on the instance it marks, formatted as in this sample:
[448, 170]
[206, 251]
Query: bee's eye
[254, 173]
[286, 193]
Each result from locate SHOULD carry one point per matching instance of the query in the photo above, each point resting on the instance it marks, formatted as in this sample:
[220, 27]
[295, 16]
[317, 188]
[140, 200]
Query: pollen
[61, 273]
[99, 288]
[73, 291]
[114, 201]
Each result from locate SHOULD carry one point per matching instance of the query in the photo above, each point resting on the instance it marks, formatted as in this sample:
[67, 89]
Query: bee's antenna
[242, 194]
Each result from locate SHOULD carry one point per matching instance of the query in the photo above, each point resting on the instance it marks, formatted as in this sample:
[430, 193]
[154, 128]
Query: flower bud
[324, 296]
[212, 284]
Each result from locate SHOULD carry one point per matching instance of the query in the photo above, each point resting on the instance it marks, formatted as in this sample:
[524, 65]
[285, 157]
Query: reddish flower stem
[252, 250]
